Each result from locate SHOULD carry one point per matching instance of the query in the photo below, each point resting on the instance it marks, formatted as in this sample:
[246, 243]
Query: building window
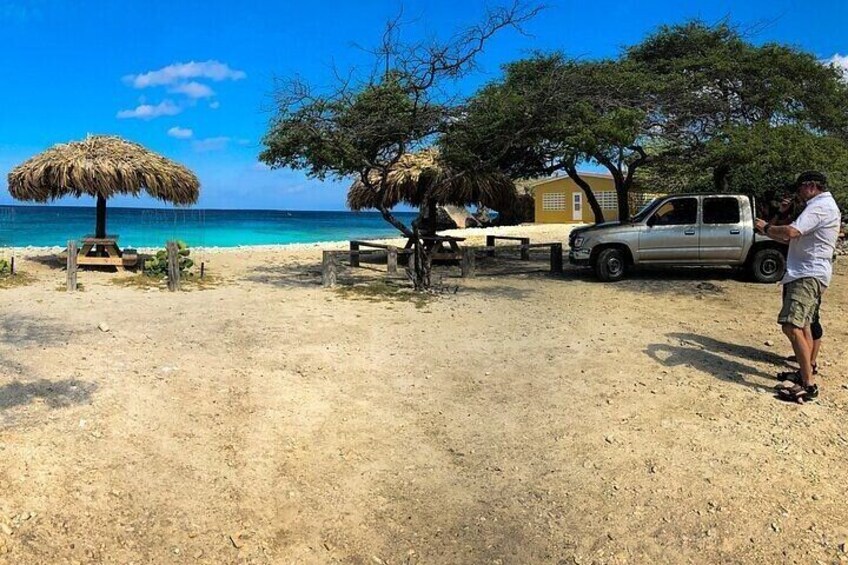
[607, 200]
[578, 203]
[553, 201]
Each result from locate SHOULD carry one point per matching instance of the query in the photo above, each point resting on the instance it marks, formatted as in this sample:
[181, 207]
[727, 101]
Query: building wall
[555, 200]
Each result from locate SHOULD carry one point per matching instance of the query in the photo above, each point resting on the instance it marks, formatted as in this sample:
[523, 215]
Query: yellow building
[560, 201]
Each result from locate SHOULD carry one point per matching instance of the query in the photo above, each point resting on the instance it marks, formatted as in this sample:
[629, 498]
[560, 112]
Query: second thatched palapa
[421, 180]
[102, 166]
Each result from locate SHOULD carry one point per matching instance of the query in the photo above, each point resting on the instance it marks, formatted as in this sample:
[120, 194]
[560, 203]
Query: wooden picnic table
[435, 245]
[104, 251]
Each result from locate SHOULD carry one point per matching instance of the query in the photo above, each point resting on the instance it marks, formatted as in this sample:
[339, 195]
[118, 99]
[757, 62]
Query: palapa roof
[102, 166]
[419, 177]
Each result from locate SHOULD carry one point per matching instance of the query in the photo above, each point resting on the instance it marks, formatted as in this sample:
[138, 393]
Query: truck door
[722, 231]
[672, 233]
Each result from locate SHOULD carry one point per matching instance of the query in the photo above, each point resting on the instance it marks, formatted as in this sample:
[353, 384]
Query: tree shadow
[55, 394]
[25, 331]
[707, 362]
[55, 261]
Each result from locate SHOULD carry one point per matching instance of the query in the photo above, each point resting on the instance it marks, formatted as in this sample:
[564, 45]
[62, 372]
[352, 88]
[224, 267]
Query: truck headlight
[578, 241]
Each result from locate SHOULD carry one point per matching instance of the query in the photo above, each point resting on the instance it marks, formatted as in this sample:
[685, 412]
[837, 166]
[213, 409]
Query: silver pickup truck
[682, 229]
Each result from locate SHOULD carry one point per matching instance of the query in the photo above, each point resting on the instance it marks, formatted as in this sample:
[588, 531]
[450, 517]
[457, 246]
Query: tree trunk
[590, 196]
[422, 263]
[720, 178]
[100, 230]
[622, 193]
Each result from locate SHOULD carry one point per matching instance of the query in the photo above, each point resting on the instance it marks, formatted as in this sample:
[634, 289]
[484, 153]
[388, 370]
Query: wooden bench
[525, 241]
[104, 252]
[392, 253]
[468, 264]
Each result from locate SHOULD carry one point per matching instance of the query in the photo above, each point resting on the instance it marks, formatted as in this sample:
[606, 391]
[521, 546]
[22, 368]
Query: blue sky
[193, 79]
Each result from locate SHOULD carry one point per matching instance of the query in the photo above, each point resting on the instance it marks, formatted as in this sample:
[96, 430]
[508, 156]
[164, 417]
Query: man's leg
[803, 349]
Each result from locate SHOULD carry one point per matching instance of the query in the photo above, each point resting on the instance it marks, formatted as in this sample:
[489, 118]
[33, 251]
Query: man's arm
[777, 233]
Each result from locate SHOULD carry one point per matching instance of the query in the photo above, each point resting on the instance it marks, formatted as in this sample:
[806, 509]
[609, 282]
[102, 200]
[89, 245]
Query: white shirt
[811, 254]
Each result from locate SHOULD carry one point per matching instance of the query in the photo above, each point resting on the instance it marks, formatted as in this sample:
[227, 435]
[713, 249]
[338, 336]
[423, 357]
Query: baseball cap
[810, 176]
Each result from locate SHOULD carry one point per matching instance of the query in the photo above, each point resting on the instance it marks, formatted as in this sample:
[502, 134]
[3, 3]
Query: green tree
[733, 116]
[549, 114]
[362, 127]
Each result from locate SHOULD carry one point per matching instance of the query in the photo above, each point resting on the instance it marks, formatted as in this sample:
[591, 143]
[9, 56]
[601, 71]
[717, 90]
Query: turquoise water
[44, 226]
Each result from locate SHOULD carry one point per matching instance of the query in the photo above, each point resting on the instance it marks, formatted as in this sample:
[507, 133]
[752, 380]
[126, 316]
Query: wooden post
[556, 258]
[329, 269]
[13, 265]
[468, 263]
[490, 242]
[525, 251]
[173, 266]
[391, 259]
[72, 266]
[354, 257]
[202, 269]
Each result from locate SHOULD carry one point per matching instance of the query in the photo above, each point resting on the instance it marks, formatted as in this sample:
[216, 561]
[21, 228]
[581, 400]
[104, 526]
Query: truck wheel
[768, 265]
[610, 265]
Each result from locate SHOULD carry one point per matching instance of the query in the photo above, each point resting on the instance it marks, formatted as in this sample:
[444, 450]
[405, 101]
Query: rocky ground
[512, 418]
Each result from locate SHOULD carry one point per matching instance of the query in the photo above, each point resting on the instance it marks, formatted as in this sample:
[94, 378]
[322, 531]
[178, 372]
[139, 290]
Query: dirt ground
[513, 418]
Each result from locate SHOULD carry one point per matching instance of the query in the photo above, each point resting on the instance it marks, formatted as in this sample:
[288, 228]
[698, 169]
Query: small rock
[6, 528]
[775, 527]
[198, 554]
[769, 343]
[103, 327]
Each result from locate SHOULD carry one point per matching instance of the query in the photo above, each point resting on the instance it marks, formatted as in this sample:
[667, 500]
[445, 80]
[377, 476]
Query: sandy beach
[513, 418]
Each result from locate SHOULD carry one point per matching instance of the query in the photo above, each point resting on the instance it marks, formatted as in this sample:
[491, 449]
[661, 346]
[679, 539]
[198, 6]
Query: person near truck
[784, 213]
[809, 268]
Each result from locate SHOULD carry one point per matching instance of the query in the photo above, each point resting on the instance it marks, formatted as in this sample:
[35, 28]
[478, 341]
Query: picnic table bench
[104, 251]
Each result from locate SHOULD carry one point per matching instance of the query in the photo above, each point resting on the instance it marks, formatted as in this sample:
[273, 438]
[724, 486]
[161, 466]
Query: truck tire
[610, 265]
[768, 265]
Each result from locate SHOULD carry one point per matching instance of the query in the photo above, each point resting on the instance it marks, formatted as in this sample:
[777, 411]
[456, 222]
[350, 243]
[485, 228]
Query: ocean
[45, 226]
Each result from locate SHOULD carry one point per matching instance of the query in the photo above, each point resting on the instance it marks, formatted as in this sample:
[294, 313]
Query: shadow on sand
[724, 361]
[55, 394]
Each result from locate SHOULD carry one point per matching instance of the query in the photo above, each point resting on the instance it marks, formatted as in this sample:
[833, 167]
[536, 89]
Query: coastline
[473, 236]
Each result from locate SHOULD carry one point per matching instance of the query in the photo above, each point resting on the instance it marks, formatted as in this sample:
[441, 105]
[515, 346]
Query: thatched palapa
[420, 179]
[102, 166]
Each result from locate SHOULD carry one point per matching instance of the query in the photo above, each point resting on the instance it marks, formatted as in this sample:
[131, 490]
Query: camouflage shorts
[801, 299]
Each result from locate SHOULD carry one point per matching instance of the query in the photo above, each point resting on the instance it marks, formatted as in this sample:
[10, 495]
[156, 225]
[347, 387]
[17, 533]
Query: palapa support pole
[490, 242]
[556, 258]
[173, 266]
[329, 269]
[468, 263]
[72, 266]
[100, 230]
[391, 259]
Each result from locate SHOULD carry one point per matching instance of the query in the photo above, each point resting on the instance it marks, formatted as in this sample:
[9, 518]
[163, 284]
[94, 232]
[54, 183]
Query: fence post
[490, 242]
[354, 257]
[391, 259]
[173, 266]
[72, 266]
[468, 263]
[556, 258]
[525, 250]
[329, 269]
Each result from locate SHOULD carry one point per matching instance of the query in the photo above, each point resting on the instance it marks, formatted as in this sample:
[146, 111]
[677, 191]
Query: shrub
[157, 266]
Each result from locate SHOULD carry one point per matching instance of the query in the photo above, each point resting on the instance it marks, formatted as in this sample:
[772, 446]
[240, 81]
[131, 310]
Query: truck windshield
[645, 211]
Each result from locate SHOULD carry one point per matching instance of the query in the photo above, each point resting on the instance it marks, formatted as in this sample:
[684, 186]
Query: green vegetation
[157, 266]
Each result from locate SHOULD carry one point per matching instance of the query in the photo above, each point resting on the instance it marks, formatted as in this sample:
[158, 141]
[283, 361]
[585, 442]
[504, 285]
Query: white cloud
[179, 72]
[148, 111]
[841, 62]
[193, 90]
[211, 144]
[180, 133]
[215, 105]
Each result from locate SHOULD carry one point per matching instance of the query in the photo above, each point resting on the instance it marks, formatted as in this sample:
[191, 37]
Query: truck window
[722, 210]
[680, 211]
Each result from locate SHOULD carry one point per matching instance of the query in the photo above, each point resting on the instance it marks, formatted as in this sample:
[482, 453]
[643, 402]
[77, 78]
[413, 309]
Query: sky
[194, 79]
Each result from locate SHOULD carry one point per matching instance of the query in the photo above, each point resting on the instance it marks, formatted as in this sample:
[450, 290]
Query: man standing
[809, 267]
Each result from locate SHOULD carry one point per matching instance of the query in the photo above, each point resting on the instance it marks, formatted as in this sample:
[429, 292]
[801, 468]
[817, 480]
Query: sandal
[798, 393]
